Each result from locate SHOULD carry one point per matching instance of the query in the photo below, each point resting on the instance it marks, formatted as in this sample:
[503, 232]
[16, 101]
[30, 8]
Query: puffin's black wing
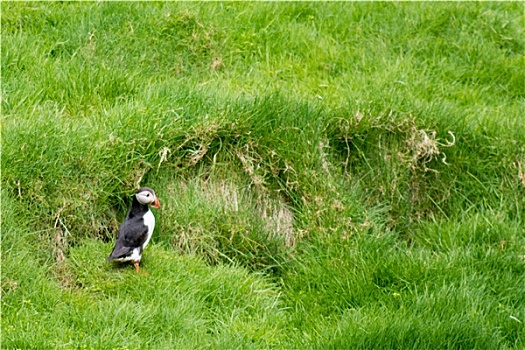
[131, 234]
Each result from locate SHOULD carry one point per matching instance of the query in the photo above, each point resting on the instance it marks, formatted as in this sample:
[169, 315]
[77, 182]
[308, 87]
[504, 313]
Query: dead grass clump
[217, 65]
[521, 173]
[8, 285]
[425, 147]
[325, 165]
[275, 214]
[278, 218]
[224, 222]
[60, 244]
[251, 163]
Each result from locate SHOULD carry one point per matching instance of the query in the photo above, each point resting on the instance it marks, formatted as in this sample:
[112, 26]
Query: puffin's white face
[148, 198]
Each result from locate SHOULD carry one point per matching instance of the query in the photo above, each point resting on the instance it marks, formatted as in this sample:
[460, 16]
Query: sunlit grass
[337, 175]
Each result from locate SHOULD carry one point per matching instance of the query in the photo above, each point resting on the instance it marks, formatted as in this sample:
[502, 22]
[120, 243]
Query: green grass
[337, 175]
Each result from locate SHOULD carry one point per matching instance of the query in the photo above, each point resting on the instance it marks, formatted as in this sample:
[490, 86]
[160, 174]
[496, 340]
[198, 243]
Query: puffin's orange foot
[137, 270]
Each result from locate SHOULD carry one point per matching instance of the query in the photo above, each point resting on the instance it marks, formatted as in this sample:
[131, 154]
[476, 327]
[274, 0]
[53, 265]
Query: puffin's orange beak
[155, 204]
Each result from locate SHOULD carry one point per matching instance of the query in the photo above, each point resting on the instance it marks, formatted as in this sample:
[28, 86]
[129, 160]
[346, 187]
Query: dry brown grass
[233, 201]
[521, 173]
[424, 147]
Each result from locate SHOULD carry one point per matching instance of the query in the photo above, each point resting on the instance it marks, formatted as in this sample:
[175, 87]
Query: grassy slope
[302, 203]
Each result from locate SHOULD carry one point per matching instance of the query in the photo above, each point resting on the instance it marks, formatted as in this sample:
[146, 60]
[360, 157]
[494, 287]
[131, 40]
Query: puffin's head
[146, 195]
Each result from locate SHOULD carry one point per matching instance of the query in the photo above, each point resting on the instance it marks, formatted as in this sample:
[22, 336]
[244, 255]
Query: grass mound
[343, 176]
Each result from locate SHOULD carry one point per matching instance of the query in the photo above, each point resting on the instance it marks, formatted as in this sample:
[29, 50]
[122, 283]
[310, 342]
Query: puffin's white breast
[149, 221]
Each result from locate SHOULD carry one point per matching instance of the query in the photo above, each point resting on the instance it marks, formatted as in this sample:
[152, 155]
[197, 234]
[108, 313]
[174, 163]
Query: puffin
[136, 230]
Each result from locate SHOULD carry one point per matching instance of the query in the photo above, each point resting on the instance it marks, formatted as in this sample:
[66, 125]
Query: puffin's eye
[147, 195]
